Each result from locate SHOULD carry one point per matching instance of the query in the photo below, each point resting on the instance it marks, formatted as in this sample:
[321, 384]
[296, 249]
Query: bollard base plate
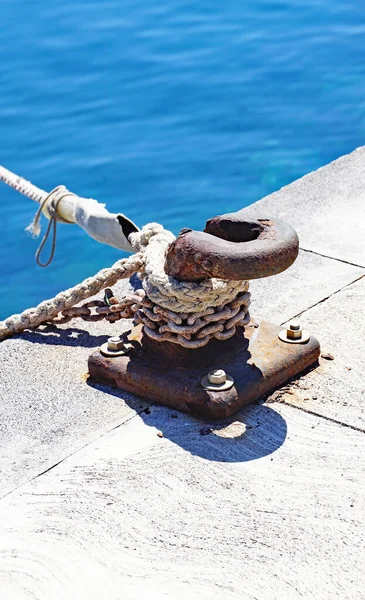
[162, 372]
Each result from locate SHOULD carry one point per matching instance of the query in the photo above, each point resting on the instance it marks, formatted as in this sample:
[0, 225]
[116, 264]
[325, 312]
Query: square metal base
[166, 373]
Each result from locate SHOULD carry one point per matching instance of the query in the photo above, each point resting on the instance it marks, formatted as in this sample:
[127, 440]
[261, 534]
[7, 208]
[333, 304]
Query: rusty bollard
[256, 358]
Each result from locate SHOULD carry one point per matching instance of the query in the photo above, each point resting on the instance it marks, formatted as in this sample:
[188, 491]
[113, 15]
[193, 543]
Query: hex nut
[294, 334]
[218, 376]
[115, 347]
[217, 381]
[115, 344]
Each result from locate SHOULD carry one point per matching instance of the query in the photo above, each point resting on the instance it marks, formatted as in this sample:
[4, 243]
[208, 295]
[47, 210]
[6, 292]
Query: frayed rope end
[34, 228]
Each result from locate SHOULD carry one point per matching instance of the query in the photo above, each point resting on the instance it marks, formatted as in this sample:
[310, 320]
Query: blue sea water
[167, 110]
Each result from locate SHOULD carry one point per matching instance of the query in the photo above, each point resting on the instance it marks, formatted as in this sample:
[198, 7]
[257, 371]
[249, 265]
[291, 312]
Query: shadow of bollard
[256, 431]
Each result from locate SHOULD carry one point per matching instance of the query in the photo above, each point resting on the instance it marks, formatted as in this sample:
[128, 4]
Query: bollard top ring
[234, 247]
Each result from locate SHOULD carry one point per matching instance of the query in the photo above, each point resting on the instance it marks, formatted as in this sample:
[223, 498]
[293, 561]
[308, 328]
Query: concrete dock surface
[269, 505]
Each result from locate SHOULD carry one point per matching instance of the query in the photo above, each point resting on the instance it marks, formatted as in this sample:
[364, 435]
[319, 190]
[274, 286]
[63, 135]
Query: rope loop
[50, 203]
[43, 243]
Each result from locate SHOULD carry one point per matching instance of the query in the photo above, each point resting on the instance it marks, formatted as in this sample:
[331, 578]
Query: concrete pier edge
[267, 505]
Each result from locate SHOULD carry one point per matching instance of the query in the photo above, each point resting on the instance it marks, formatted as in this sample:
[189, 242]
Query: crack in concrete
[324, 299]
[346, 262]
[59, 462]
[315, 414]
[310, 412]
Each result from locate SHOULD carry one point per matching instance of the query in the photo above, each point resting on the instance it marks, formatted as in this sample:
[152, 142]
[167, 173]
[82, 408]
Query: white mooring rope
[187, 313]
[64, 206]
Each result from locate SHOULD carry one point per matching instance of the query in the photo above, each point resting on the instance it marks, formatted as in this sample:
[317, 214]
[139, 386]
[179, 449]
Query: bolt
[294, 331]
[217, 380]
[115, 344]
[217, 377]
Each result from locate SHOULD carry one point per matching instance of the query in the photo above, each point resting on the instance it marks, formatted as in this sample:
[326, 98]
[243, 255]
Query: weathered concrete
[275, 512]
[337, 389]
[269, 507]
[47, 410]
[326, 208]
[47, 413]
[310, 280]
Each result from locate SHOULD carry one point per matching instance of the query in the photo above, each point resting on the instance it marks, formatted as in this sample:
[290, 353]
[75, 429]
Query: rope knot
[141, 239]
[164, 290]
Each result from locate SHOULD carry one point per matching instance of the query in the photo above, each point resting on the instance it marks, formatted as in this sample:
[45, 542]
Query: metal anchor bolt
[115, 346]
[217, 380]
[294, 334]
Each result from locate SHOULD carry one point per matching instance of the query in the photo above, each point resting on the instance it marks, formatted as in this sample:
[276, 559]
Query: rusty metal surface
[233, 247]
[163, 372]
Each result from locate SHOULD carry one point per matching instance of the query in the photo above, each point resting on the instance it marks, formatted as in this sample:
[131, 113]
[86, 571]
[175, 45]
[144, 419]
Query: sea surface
[166, 110]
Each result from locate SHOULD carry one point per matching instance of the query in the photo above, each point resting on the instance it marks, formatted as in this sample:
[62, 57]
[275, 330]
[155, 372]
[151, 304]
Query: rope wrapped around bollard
[195, 287]
[188, 313]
